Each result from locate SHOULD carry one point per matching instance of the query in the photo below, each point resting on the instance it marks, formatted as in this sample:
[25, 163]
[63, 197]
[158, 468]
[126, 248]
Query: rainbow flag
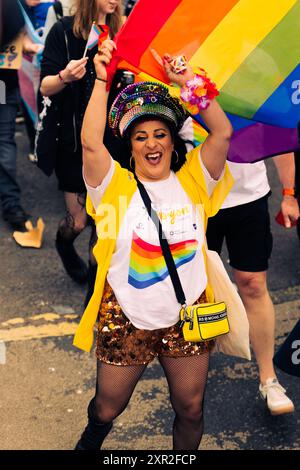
[93, 37]
[147, 263]
[97, 35]
[250, 49]
[199, 133]
[29, 73]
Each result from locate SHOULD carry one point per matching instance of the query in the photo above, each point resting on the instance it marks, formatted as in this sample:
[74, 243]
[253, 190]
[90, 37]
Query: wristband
[288, 192]
[101, 79]
[60, 77]
[198, 92]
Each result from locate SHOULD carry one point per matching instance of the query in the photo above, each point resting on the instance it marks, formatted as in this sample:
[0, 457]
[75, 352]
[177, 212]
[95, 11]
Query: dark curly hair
[179, 144]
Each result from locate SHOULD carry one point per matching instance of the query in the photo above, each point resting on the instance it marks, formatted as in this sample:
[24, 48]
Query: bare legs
[261, 315]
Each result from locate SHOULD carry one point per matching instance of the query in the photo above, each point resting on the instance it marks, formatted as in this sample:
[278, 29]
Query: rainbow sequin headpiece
[144, 99]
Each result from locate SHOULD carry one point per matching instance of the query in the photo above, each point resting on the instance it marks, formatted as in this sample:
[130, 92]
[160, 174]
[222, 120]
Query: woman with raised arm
[134, 296]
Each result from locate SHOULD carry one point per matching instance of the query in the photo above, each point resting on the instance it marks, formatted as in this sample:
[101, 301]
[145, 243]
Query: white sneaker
[274, 395]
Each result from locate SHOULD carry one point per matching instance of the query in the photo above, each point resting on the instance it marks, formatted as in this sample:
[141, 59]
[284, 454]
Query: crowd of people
[125, 142]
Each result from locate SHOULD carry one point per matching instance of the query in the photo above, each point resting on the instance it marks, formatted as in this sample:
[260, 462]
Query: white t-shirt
[250, 183]
[138, 274]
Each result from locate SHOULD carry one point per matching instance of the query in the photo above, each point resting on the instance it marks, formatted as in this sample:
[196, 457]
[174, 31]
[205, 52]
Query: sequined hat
[144, 99]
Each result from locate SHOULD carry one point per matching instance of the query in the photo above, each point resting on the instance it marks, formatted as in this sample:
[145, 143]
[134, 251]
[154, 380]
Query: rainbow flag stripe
[250, 48]
[200, 134]
[93, 37]
[253, 141]
[147, 264]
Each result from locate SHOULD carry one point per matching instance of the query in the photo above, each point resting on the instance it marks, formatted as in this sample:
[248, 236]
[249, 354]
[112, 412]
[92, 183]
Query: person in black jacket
[68, 79]
[11, 21]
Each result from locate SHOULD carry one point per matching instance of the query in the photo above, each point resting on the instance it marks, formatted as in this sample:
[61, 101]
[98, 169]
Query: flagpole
[85, 50]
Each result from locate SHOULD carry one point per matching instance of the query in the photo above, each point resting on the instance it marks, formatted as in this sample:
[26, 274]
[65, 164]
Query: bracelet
[101, 79]
[288, 192]
[198, 92]
[60, 77]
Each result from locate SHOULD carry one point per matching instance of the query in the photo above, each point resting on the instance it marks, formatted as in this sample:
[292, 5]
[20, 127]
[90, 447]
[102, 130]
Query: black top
[55, 59]
[12, 22]
[10, 78]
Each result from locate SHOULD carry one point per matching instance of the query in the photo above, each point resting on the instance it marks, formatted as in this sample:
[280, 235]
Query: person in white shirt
[244, 222]
[134, 295]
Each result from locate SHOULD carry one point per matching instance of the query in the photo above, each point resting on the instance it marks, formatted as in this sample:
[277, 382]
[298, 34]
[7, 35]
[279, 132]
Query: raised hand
[166, 63]
[103, 58]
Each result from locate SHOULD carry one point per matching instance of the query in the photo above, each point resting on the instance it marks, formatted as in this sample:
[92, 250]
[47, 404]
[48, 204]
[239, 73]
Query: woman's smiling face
[152, 148]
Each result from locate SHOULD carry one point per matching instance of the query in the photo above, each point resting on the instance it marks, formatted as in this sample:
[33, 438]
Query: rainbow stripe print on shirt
[147, 265]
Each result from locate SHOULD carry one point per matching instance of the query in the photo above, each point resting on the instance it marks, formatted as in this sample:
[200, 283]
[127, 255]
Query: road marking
[2, 352]
[24, 333]
[53, 325]
[46, 316]
[13, 321]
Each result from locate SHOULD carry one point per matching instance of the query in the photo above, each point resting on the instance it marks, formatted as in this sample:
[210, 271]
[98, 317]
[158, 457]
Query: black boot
[91, 282]
[73, 264]
[94, 433]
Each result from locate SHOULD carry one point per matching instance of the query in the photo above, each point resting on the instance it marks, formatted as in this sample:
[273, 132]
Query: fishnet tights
[186, 377]
[115, 385]
[76, 220]
[76, 217]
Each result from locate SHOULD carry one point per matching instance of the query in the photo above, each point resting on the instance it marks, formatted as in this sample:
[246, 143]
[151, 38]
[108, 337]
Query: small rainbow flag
[93, 38]
[250, 49]
[147, 265]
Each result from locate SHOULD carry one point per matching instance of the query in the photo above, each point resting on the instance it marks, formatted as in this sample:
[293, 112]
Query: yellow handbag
[200, 322]
[203, 322]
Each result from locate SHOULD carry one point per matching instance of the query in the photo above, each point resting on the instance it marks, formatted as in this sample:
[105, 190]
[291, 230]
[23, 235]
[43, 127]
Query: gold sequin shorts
[119, 342]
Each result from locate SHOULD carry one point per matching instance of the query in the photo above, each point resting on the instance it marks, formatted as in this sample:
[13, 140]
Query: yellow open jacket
[123, 186]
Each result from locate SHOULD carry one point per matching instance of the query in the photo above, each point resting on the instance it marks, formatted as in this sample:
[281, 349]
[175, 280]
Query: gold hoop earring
[177, 157]
[130, 162]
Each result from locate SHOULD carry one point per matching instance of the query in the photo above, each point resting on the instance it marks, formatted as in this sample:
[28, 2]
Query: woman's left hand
[103, 58]
[179, 79]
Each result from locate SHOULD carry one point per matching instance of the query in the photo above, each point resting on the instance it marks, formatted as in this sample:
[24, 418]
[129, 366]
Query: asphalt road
[46, 383]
